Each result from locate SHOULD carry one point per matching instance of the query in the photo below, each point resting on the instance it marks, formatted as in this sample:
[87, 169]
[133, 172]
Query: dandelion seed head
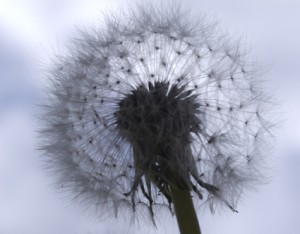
[153, 100]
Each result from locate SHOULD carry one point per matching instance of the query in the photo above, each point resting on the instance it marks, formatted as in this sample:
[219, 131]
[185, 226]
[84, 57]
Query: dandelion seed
[155, 102]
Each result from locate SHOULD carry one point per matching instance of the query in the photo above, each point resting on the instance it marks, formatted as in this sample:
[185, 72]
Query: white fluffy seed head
[155, 100]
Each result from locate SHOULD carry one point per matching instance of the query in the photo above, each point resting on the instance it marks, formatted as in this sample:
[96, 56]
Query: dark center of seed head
[158, 115]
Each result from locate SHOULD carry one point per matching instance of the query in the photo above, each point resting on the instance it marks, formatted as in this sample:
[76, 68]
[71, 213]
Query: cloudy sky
[31, 31]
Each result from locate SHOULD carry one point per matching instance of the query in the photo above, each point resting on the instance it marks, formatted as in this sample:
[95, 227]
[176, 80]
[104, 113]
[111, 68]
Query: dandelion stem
[185, 211]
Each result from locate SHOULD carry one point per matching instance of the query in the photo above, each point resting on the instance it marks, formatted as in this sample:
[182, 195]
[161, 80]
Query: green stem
[185, 211]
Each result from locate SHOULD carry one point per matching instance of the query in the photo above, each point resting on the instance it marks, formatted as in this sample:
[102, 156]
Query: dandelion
[156, 110]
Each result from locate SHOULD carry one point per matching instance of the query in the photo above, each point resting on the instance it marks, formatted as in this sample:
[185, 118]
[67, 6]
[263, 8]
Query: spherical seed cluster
[152, 101]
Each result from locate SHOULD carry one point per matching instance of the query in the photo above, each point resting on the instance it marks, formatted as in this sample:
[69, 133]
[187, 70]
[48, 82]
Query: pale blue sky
[32, 30]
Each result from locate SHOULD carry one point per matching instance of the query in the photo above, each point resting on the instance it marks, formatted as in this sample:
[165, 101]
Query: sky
[32, 31]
